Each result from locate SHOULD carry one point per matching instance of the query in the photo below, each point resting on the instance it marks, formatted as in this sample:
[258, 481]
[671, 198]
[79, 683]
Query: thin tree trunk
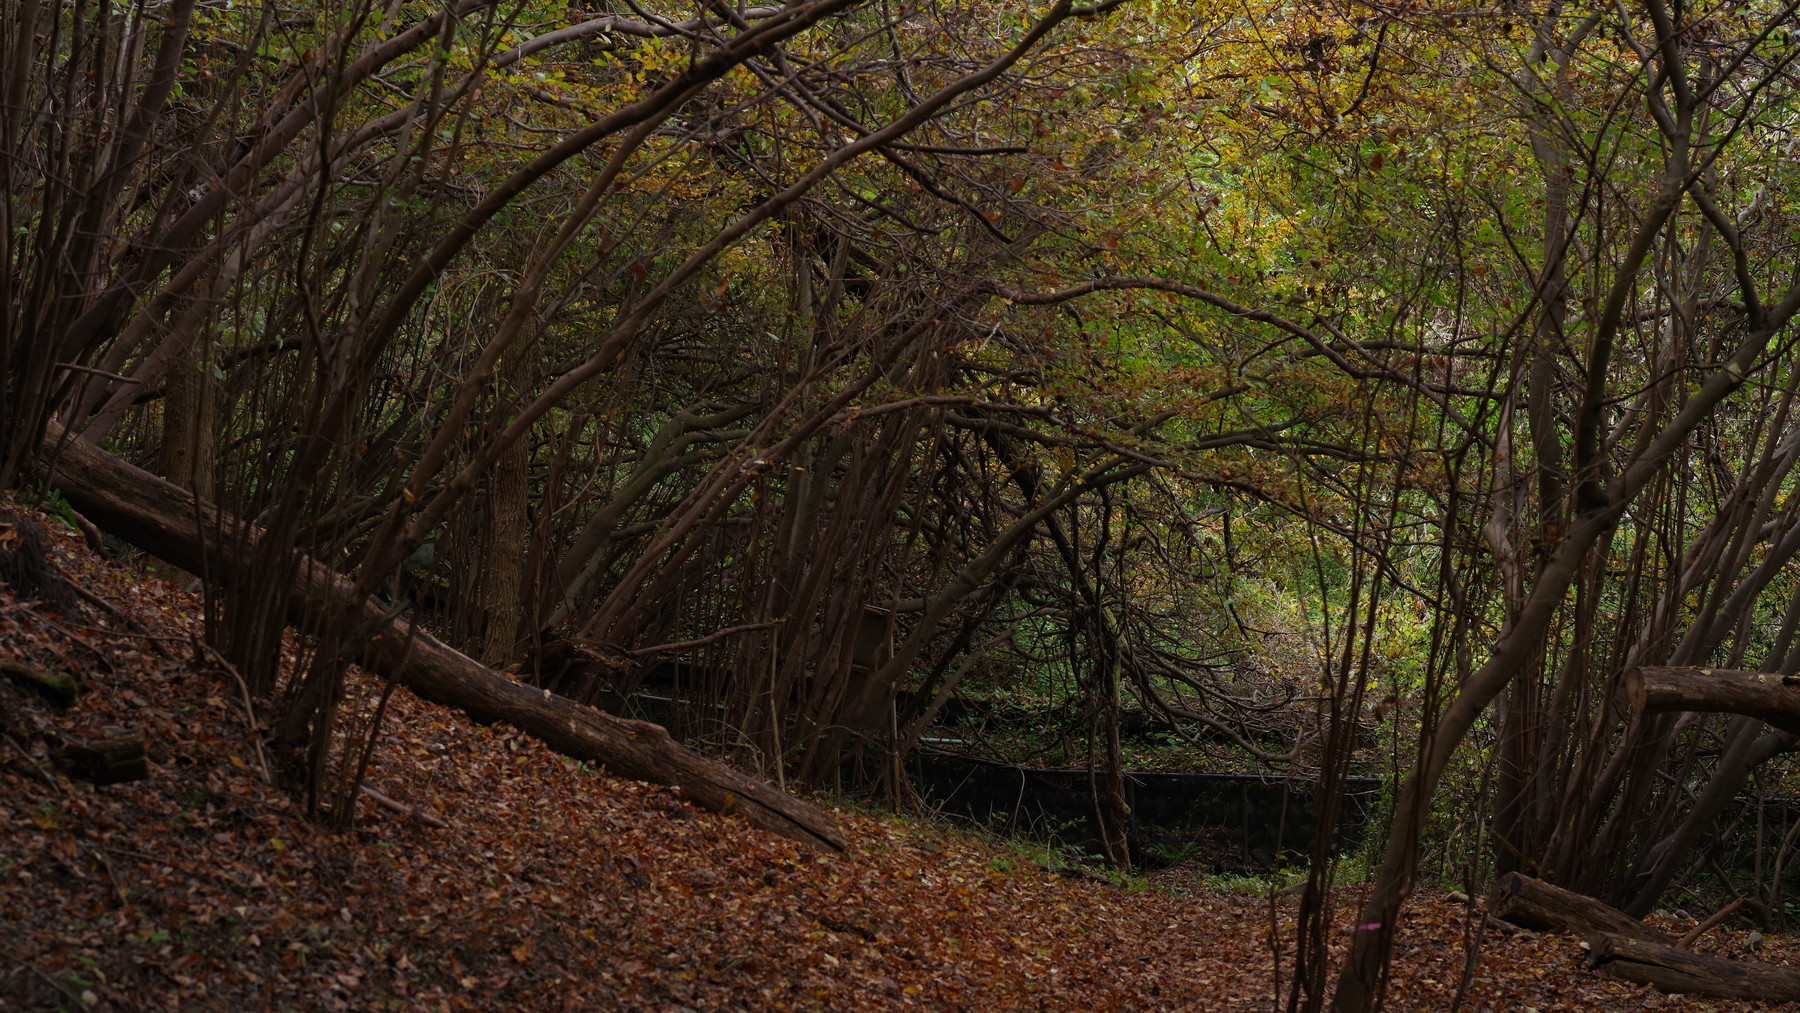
[1746, 751]
[188, 444]
[508, 525]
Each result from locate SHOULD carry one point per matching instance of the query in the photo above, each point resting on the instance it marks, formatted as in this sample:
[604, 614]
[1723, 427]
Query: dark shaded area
[1232, 821]
[26, 566]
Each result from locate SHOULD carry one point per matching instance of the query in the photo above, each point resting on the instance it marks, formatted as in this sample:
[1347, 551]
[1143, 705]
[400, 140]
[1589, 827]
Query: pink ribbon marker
[1369, 927]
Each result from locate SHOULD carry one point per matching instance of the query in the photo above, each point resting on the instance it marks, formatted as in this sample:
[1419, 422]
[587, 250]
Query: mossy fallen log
[59, 688]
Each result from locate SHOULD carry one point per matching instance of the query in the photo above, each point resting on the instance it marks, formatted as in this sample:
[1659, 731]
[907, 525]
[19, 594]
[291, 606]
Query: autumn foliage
[1319, 390]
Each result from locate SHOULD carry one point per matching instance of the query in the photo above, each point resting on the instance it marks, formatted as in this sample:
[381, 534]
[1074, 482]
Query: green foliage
[54, 504]
[1251, 886]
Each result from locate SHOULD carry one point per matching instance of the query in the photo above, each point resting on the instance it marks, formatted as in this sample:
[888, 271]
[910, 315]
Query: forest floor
[547, 886]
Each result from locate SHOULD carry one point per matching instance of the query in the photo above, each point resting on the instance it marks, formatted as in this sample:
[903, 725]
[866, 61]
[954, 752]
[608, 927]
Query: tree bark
[508, 525]
[1535, 904]
[191, 533]
[188, 444]
[1767, 696]
[1668, 969]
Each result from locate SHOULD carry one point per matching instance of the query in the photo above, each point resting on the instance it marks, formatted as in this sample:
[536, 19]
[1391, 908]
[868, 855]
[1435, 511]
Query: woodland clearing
[1386, 403]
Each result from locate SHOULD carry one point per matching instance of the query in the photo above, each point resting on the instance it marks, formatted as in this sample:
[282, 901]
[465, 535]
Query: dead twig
[112, 874]
[1714, 919]
[58, 986]
[703, 641]
[135, 628]
[262, 762]
[419, 813]
[37, 768]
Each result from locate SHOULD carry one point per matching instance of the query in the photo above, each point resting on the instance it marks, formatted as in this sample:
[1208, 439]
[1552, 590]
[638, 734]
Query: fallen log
[169, 523]
[59, 688]
[1668, 969]
[1535, 904]
[1766, 696]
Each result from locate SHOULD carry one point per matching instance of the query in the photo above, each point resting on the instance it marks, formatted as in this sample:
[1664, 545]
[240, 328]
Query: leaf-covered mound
[552, 887]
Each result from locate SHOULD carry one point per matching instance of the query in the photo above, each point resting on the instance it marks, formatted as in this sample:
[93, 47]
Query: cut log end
[1636, 691]
[1535, 904]
[113, 759]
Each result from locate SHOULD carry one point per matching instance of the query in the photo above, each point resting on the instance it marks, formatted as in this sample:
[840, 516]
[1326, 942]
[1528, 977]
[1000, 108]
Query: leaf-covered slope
[552, 887]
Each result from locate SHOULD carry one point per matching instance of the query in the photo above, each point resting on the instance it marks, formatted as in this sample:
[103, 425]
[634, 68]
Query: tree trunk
[1668, 969]
[1766, 696]
[1535, 904]
[161, 519]
[188, 450]
[1746, 750]
[188, 445]
[508, 525]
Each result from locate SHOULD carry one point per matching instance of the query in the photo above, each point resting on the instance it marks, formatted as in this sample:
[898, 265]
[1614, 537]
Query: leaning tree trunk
[508, 524]
[1747, 748]
[191, 533]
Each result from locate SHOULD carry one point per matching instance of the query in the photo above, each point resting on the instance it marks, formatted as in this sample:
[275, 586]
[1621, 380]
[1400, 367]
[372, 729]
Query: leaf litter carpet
[532, 883]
